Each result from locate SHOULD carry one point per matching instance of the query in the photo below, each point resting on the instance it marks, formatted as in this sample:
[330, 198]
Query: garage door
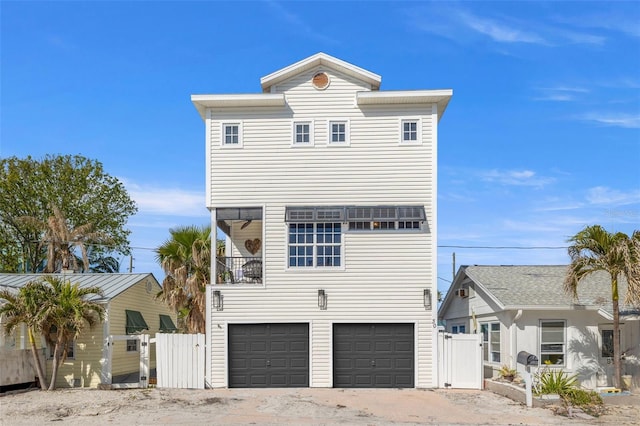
[373, 356]
[268, 355]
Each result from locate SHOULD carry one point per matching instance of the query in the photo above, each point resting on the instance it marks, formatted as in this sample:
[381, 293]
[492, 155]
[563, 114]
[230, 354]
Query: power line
[508, 247]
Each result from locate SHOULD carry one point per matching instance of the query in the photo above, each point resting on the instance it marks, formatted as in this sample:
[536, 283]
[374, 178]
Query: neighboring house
[325, 189]
[525, 308]
[130, 309]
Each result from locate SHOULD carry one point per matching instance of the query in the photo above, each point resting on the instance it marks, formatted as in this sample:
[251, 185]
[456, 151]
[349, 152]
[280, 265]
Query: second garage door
[268, 355]
[373, 355]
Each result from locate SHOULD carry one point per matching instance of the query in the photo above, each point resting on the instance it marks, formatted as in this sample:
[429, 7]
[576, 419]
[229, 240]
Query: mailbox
[525, 358]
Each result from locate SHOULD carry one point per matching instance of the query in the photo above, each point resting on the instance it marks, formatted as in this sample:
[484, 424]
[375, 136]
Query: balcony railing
[239, 270]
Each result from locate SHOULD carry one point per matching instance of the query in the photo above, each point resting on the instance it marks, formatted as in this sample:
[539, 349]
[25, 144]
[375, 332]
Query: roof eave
[202, 102]
[316, 60]
[441, 97]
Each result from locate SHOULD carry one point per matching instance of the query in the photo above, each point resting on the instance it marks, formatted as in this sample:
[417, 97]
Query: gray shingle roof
[111, 284]
[542, 286]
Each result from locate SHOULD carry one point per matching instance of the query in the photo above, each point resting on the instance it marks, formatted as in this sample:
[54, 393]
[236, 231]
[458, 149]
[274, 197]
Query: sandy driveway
[281, 406]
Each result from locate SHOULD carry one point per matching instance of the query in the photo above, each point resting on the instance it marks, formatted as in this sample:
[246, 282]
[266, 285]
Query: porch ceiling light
[427, 299]
[217, 300]
[322, 300]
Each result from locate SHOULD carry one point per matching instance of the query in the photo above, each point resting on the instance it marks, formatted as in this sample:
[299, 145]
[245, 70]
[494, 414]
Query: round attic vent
[320, 81]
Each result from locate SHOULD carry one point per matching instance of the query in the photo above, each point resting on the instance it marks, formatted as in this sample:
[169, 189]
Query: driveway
[281, 406]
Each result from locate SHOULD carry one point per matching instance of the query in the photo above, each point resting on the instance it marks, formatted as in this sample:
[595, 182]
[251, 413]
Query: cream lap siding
[135, 298]
[383, 274]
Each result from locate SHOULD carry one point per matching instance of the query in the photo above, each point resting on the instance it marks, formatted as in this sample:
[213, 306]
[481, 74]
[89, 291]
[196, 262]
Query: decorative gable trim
[320, 59]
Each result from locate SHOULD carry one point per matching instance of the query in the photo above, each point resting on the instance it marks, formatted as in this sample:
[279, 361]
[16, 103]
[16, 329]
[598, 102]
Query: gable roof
[316, 60]
[110, 284]
[538, 287]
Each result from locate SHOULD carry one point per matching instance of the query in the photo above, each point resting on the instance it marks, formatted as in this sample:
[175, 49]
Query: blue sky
[541, 138]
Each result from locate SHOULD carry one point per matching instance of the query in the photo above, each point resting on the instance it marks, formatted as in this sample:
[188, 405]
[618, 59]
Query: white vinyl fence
[180, 360]
[460, 361]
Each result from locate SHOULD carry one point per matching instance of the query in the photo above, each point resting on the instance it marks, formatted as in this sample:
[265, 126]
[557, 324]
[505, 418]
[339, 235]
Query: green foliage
[551, 381]
[589, 401]
[78, 186]
[507, 373]
[186, 260]
[595, 249]
[54, 308]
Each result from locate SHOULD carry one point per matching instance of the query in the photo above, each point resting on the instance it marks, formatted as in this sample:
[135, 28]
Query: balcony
[239, 270]
[239, 252]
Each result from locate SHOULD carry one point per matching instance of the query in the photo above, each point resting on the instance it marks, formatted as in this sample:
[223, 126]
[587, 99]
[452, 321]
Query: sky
[540, 139]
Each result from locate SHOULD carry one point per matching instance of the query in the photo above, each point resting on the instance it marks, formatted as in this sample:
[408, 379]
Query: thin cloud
[499, 31]
[602, 195]
[628, 121]
[298, 23]
[515, 177]
[167, 201]
[560, 93]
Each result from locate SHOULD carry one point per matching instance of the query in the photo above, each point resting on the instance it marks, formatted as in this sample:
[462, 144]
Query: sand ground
[288, 407]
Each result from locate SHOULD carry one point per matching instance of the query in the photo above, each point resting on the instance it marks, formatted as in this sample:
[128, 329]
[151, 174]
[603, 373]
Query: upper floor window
[302, 133]
[410, 131]
[315, 245]
[552, 342]
[232, 134]
[338, 133]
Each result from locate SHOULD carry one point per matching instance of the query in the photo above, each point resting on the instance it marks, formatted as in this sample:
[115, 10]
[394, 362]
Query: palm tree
[66, 314]
[594, 249]
[55, 309]
[186, 261]
[24, 307]
[61, 239]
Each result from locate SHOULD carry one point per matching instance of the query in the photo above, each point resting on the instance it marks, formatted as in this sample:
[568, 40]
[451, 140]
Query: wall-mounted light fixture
[217, 300]
[427, 299]
[322, 300]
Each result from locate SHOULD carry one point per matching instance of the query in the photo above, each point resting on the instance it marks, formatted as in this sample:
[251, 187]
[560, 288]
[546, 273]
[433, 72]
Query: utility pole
[454, 267]
[130, 263]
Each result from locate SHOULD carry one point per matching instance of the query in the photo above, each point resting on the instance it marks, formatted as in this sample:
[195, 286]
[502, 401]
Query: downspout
[514, 339]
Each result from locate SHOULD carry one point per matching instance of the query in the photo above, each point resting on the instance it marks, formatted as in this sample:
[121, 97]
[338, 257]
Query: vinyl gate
[460, 361]
[180, 360]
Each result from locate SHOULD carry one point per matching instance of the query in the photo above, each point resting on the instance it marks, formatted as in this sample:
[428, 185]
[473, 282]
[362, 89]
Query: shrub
[507, 373]
[589, 401]
[554, 381]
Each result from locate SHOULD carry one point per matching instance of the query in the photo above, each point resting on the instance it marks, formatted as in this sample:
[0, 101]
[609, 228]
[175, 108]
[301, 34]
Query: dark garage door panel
[373, 355]
[268, 355]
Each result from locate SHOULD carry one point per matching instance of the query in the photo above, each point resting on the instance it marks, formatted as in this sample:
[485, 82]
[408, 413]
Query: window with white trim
[491, 341]
[132, 345]
[552, 342]
[410, 129]
[315, 245]
[338, 133]
[302, 133]
[458, 329]
[232, 134]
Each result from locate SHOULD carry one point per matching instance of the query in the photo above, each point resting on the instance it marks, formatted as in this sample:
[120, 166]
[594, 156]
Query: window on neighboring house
[70, 349]
[410, 131]
[302, 133]
[458, 329]
[607, 343]
[232, 134]
[315, 245]
[338, 133]
[132, 345]
[552, 342]
[491, 341]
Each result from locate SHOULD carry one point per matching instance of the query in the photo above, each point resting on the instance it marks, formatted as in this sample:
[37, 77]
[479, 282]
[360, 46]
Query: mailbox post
[528, 360]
